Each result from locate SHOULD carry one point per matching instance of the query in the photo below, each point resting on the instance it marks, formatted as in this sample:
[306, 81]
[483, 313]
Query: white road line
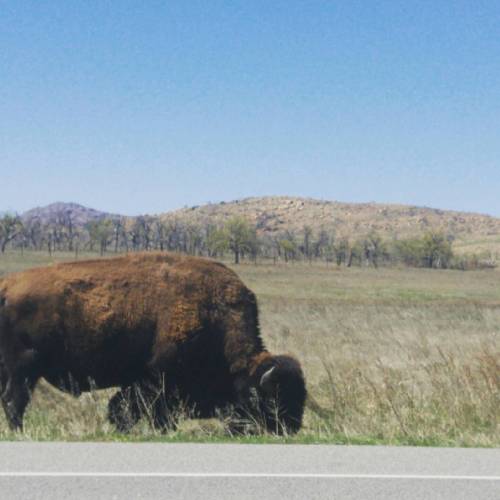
[15, 474]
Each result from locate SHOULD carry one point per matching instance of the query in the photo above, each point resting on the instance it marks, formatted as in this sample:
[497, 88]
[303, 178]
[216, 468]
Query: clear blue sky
[146, 106]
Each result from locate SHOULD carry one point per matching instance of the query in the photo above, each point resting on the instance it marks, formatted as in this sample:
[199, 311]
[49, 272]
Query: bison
[164, 328]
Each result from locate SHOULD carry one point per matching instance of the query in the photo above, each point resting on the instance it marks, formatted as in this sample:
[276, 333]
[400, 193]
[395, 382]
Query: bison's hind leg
[17, 382]
[19, 372]
[16, 394]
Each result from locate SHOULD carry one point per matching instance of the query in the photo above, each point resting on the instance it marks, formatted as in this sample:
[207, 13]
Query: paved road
[205, 471]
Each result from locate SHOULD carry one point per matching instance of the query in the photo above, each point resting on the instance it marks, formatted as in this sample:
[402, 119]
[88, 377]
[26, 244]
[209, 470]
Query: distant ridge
[276, 214]
[80, 215]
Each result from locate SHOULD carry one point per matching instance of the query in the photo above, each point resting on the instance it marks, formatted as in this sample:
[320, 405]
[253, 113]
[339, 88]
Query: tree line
[236, 237]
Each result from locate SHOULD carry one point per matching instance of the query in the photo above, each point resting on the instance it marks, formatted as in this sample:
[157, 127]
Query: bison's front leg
[143, 399]
[123, 409]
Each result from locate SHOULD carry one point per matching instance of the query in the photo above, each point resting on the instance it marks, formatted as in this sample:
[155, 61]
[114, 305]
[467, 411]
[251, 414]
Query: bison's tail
[3, 319]
[3, 325]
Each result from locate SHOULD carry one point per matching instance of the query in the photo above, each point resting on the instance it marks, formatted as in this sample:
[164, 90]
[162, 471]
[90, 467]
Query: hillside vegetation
[272, 217]
[280, 213]
[270, 228]
[277, 213]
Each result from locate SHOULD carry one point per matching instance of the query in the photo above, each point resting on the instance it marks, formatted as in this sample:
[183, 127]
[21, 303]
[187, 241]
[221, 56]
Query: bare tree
[119, 233]
[10, 227]
[374, 249]
[307, 242]
[343, 252]
[33, 233]
[322, 242]
[159, 234]
[65, 224]
[194, 238]
[142, 232]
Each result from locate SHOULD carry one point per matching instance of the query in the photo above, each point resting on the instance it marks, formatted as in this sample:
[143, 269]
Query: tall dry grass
[397, 355]
[390, 355]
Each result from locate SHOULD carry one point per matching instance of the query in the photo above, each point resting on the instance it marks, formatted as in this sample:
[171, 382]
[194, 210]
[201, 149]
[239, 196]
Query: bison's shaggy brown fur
[141, 322]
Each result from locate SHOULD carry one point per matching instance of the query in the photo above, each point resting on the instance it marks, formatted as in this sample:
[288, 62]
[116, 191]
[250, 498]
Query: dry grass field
[399, 356]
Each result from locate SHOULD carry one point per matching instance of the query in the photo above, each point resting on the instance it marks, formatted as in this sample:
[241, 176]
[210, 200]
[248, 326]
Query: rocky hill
[79, 214]
[274, 214]
[474, 232]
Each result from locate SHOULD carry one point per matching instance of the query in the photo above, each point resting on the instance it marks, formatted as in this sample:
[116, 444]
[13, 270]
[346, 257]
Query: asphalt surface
[205, 471]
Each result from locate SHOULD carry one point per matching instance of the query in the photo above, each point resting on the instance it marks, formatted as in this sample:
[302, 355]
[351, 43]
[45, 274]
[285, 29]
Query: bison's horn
[266, 378]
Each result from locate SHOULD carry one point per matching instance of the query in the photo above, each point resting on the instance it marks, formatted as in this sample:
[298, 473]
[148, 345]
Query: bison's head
[281, 392]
